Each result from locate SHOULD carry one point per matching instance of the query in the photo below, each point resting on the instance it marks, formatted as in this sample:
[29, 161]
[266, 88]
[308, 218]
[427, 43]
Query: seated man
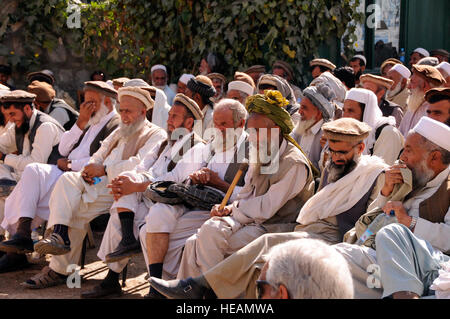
[119, 242]
[47, 102]
[27, 206]
[304, 269]
[79, 197]
[319, 66]
[439, 105]
[168, 226]
[379, 86]
[349, 184]
[409, 252]
[276, 188]
[399, 91]
[316, 109]
[385, 140]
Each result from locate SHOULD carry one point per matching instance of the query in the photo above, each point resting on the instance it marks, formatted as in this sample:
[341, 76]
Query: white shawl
[161, 109]
[340, 196]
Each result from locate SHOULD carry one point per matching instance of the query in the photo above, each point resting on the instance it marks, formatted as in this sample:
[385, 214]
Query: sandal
[46, 278]
[53, 245]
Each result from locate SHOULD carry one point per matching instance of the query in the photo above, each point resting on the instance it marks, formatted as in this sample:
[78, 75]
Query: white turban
[241, 86]
[158, 67]
[372, 114]
[185, 78]
[334, 83]
[434, 131]
[402, 70]
[444, 67]
[422, 51]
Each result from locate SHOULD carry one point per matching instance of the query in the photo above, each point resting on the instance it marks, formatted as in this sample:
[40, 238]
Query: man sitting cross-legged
[79, 197]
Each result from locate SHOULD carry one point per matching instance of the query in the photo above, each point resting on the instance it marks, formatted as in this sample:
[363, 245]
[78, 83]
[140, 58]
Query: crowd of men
[241, 189]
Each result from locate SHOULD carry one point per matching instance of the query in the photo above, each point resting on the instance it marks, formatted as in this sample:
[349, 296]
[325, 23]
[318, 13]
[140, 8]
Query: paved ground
[94, 271]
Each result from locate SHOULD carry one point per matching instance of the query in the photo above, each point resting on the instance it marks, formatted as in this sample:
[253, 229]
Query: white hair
[310, 269]
[239, 111]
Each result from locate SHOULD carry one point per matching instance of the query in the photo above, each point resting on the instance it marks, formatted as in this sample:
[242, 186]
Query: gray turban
[321, 96]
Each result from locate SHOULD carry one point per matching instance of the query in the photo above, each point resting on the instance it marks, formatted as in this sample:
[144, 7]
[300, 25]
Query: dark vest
[73, 115]
[387, 107]
[435, 207]
[41, 117]
[239, 156]
[107, 129]
[347, 220]
[194, 139]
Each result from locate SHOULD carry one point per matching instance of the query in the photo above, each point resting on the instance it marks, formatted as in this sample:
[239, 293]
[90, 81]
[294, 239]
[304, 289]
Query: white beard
[392, 93]
[415, 99]
[101, 113]
[130, 129]
[219, 144]
[303, 126]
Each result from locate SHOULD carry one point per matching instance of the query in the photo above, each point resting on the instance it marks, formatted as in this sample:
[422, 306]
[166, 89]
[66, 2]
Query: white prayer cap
[241, 86]
[185, 78]
[422, 51]
[402, 70]
[158, 67]
[361, 57]
[444, 67]
[136, 82]
[434, 131]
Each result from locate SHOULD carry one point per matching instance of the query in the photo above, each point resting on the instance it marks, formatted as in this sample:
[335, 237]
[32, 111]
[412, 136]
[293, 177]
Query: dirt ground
[95, 270]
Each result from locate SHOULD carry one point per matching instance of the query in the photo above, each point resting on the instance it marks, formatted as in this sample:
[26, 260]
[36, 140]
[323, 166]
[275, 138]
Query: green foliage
[125, 37]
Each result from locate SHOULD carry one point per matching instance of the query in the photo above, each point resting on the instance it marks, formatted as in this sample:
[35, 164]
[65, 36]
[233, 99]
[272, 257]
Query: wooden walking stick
[230, 190]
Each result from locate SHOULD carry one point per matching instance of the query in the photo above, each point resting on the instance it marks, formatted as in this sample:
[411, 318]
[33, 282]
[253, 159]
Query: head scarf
[372, 114]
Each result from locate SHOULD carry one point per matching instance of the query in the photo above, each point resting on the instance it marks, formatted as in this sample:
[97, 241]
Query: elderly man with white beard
[167, 227]
[131, 205]
[399, 91]
[349, 183]
[385, 140]
[424, 78]
[409, 252]
[79, 197]
[27, 206]
[316, 109]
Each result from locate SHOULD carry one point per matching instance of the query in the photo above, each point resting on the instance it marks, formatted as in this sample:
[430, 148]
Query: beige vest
[284, 218]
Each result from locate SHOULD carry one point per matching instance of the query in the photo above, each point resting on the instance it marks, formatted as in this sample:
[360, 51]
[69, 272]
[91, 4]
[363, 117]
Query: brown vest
[435, 207]
[284, 219]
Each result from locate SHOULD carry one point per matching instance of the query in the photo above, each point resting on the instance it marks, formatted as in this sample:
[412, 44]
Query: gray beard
[101, 113]
[219, 144]
[392, 93]
[128, 130]
[415, 99]
[303, 126]
[336, 172]
[421, 175]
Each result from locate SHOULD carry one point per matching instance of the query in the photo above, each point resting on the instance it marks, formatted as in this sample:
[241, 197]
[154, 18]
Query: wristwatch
[413, 223]
[69, 165]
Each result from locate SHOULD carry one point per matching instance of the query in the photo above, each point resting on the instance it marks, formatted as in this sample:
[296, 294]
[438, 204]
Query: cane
[230, 190]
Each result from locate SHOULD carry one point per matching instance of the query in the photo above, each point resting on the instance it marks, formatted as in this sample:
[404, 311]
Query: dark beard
[357, 75]
[23, 129]
[336, 172]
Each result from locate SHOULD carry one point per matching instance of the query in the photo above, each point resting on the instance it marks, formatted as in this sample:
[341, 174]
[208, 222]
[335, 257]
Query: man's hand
[392, 177]
[92, 170]
[86, 110]
[205, 176]
[226, 211]
[400, 212]
[62, 164]
[124, 185]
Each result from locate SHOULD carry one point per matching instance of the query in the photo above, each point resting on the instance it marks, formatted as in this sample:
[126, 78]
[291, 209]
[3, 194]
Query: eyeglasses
[341, 153]
[260, 287]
